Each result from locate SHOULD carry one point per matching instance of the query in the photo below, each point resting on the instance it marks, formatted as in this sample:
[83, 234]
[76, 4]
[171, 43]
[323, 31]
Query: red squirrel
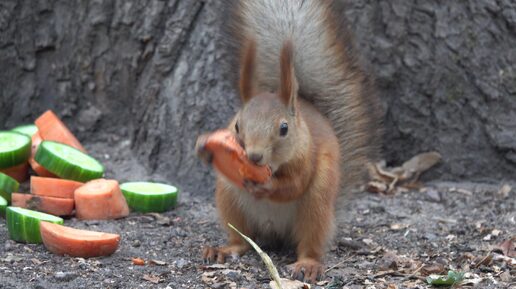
[309, 113]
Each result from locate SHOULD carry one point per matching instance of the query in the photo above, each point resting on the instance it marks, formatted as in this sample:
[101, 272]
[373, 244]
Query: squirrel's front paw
[200, 148]
[259, 191]
[307, 270]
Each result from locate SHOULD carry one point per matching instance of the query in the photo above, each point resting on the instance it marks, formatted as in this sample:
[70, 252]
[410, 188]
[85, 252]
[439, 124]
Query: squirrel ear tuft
[288, 81]
[247, 71]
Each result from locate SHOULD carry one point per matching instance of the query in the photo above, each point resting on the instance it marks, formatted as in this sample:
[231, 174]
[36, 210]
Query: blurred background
[153, 75]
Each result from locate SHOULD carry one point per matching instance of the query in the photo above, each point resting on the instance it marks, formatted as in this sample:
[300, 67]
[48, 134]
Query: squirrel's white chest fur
[269, 220]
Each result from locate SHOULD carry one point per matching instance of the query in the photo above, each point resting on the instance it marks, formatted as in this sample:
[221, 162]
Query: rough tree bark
[155, 72]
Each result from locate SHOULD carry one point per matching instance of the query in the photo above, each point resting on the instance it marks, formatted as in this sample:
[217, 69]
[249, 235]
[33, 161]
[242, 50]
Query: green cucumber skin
[62, 168]
[27, 129]
[7, 186]
[25, 228]
[19, 158]
[3, 206]
[150, 203]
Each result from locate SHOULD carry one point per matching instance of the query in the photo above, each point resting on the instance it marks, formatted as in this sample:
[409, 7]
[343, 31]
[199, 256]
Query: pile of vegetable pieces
[66, 181]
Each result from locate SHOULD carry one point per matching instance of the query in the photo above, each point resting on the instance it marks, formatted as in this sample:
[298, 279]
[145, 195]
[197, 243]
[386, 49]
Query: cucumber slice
[149, 197]
[14, 149]
[67, 162]
[3, 206]
[8, 185]
[27, 129]
[23, 224]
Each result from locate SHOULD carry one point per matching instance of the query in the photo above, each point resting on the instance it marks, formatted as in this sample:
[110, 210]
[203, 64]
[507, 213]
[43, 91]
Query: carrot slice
[49, 205]
[51, 187]
[64, 240]
[20, 172]
[230, 159]
[100, 199]
[50, 127]
[40, 170]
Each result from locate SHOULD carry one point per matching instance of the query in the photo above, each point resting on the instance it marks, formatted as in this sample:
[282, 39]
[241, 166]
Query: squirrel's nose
[255, 157]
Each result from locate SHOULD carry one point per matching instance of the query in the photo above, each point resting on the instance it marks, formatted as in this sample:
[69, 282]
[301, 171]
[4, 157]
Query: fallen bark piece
[385, 180]
[62, 240]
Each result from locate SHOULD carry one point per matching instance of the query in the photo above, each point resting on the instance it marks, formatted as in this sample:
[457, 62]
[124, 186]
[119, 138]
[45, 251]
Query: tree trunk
[155, 73]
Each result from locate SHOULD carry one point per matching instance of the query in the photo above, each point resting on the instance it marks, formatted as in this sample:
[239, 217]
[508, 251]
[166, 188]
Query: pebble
[181, 263]
[433, 195]
[136, 243]
[65, 276]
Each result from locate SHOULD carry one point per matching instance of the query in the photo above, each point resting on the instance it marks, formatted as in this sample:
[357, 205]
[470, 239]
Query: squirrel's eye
[283, 129]
[236, 127]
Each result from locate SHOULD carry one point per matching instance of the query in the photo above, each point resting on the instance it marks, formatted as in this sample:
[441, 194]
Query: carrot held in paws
[229, 158]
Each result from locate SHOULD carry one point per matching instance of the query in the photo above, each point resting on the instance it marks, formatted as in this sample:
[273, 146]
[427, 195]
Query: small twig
[483, 259]
[266, 259]
[392, 185]
[451, 221]
[413, 273]
[391, 273]
[338, 264]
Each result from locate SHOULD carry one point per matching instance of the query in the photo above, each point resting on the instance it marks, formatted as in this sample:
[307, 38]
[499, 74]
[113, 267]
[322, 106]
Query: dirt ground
[382, 242]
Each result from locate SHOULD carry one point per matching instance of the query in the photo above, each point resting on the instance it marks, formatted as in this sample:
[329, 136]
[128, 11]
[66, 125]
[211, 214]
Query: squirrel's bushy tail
[327, 69]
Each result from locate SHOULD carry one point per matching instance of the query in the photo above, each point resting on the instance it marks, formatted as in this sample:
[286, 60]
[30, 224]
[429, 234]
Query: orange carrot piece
[41, 171]
[51, 187]
[63, 240]
[230, 159]
[100, 199]
[20, 172]
[50, 205]
[138, 261]
[50, 127]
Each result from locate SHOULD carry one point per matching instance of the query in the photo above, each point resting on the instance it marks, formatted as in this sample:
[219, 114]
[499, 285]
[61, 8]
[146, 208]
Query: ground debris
[157, 262]
[138, 261]
[152, 278]
[385, 180]
[289, 284]
[507, 247]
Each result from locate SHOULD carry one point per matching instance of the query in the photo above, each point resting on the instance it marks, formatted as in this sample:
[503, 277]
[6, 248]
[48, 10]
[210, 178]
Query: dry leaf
[432, 269]
[209, 277]
[157, 262]
[505, 276]
[392, 286]
[367, 241]
[486, 260]
[138, 261]
[504, 191]
[388, 262]
[507, 248]
[398, 226]
[495, 232]
[152, 278]
[289, 284]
